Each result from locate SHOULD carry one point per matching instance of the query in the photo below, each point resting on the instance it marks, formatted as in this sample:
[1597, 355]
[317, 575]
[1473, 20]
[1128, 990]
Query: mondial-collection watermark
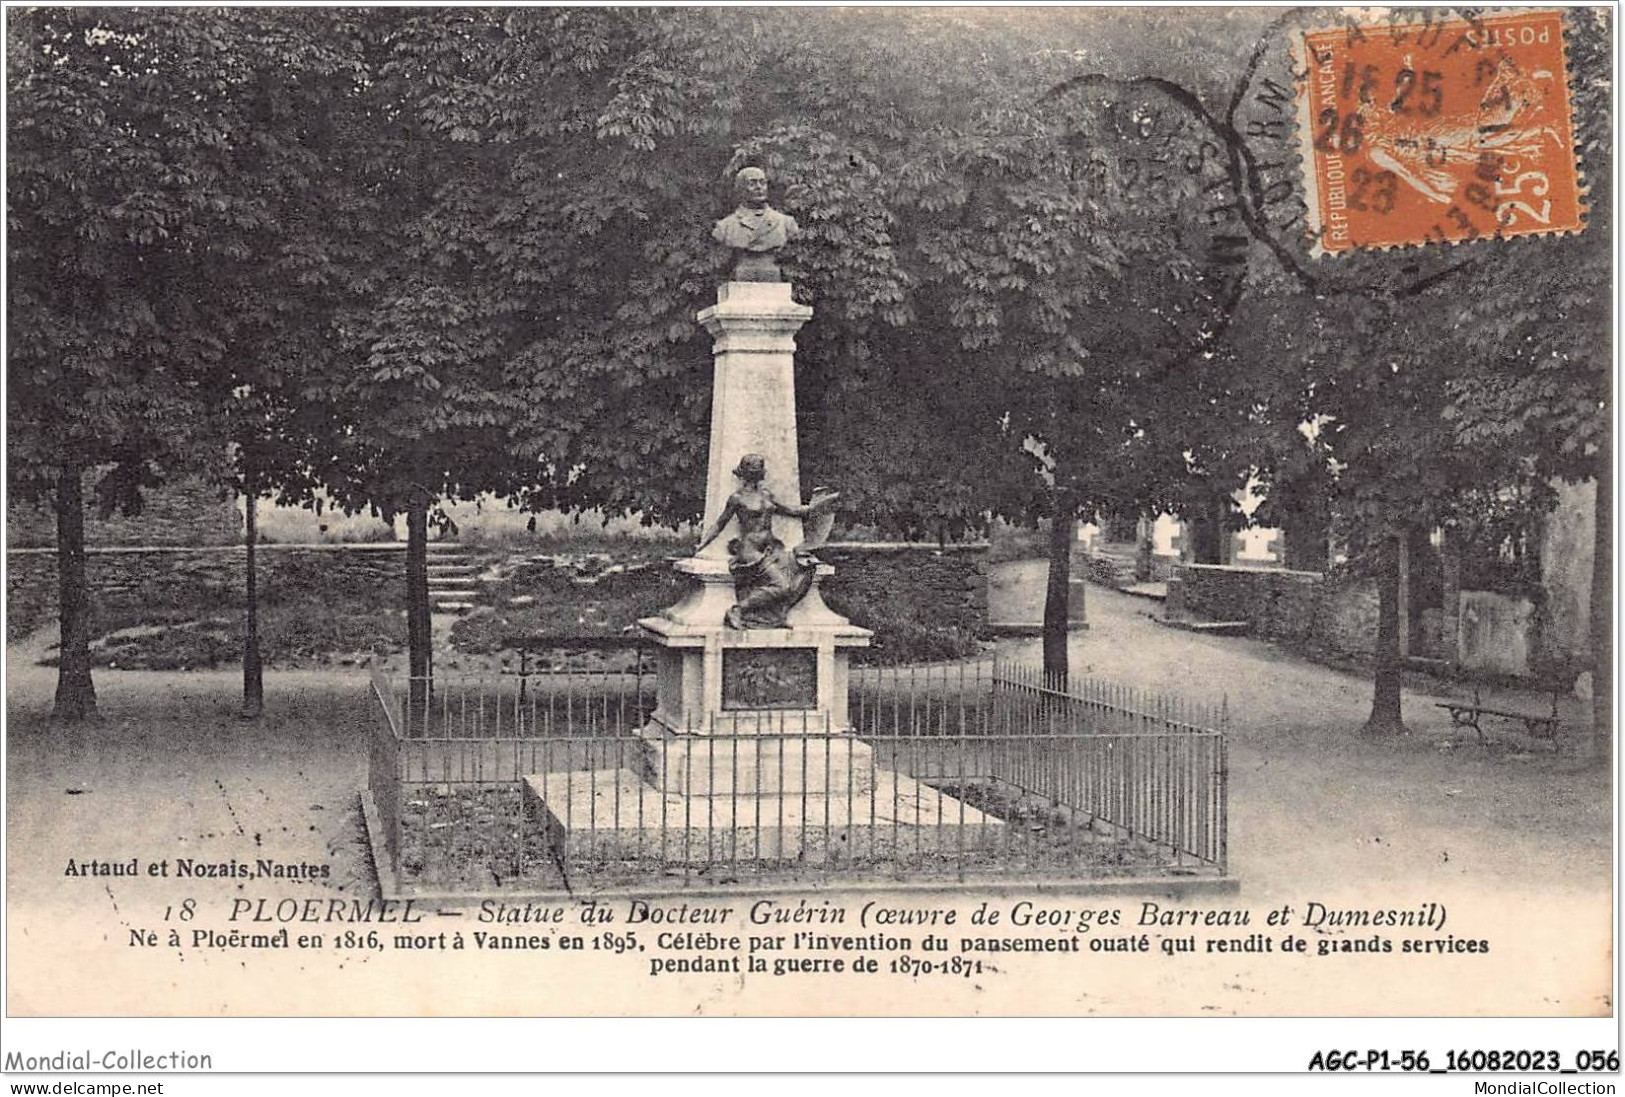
[1540, 1089]
[132, 1060]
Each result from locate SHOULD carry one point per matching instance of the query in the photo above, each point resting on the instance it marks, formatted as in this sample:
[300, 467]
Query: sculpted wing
[820, 518]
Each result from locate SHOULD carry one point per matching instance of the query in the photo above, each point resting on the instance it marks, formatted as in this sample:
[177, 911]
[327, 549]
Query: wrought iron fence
[546, 782]
[384, 786]
[565, 703]
[932, 699]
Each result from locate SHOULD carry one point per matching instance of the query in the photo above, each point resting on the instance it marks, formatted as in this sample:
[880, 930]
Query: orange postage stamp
[1440, 131]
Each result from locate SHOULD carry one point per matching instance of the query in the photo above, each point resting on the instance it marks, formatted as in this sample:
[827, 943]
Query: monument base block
[616, 815]
[756, 764]
[713, 678]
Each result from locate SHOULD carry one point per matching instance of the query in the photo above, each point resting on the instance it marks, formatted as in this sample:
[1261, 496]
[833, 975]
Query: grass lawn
[303, 630]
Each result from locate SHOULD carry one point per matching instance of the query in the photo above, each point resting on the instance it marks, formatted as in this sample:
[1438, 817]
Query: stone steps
[1105, 568]
[1214, 628]
[453, 579]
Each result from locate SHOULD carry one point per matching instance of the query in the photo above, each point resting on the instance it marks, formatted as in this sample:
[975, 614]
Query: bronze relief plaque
[769, 678]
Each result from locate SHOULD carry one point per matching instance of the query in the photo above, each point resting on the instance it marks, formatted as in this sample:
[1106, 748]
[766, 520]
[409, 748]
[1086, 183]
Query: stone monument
[750, 734]
[754, 642]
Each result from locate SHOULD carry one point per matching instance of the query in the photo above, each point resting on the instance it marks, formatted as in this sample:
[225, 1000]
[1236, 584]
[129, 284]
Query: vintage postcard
[811, 512]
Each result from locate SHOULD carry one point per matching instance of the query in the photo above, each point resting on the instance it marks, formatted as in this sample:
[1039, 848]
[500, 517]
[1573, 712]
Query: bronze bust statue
[754, 230]
[768, 578]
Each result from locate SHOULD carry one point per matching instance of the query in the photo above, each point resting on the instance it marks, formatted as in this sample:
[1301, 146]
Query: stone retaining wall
[1164, 568]
[941, 585]
[921, 586]
[1007, 542]
[1105, 568]
[189, 511]
[1303, 610]
[1568, 545]
[202, 579]
[1499, 634]
[1346, 620]
[1300, 609]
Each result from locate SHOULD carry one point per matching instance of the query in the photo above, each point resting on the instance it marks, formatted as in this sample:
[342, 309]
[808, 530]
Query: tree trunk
[1145, 547]
[1602, 609]
[1207, 534]
[253, 672]
[1308, 541]
[417, 611]
[1385, 714]
[1062, 532]
[75, 692]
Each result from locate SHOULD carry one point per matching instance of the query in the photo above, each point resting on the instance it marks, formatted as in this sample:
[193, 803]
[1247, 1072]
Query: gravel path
[1311, 798]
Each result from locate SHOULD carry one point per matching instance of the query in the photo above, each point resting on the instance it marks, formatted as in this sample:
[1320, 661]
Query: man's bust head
[754, 230]
[751, 187]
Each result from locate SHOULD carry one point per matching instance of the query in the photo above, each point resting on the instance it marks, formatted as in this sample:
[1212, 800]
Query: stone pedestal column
[743, 681]
[1450, 627]
[753, 396]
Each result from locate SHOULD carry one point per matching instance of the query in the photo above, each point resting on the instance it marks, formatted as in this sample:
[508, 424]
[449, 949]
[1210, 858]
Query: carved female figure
[768, 578]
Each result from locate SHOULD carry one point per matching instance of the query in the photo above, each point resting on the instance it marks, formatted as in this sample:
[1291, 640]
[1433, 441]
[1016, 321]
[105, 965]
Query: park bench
[1469, 715]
